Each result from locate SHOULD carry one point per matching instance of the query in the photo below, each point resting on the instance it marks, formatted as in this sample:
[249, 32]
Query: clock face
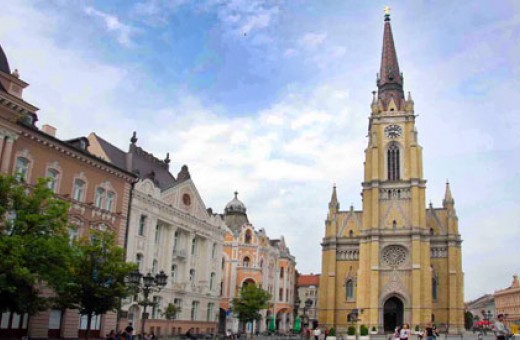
[393, 131]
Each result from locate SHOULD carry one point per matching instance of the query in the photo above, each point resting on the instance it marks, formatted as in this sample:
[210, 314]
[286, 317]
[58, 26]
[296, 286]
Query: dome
[235, 206]
[4, 65]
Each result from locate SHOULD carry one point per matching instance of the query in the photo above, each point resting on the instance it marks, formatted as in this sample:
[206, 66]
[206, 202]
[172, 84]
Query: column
[7, 154]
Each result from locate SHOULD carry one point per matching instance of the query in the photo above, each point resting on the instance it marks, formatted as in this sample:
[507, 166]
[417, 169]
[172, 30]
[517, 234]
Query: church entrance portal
[393, 311]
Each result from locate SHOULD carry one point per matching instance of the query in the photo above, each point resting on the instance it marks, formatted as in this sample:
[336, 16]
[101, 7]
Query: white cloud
[312, 40]
[112, 24]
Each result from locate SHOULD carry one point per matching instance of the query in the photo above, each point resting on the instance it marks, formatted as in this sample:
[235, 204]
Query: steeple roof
[4, 65]
[448, 197]
[390, 79]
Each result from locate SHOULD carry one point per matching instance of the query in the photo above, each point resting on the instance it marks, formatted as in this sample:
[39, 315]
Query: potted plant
[351, 333]
[373, 330]
[363, 332]
[332, 334]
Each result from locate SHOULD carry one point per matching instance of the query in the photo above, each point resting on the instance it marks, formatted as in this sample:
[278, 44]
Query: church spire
[334, 204]
[390, 79]
[448, 198]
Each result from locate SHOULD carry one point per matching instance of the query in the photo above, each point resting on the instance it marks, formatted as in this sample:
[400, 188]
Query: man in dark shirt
[431, 332]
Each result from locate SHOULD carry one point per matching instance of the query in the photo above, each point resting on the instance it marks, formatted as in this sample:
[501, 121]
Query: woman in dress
[405, 332]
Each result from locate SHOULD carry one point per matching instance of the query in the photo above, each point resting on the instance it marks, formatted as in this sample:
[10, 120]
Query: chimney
[49, 129]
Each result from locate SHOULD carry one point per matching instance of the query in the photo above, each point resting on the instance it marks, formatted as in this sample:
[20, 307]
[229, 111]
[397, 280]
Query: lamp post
[308, 305]
[149, 285]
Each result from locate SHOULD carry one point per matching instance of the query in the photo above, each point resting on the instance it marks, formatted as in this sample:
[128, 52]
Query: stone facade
[308, 291]
[98, 193]
[507, 302]
[395, 261]
[171, 230]
[251, 257]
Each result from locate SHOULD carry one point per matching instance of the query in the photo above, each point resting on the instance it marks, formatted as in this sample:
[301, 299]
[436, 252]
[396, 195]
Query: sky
[272, 98]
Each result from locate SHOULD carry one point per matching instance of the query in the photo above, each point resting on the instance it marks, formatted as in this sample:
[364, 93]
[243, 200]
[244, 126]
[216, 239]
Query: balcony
[180, 253]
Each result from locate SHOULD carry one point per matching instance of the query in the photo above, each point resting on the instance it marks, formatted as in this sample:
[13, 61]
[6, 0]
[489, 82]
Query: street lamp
[149, 285]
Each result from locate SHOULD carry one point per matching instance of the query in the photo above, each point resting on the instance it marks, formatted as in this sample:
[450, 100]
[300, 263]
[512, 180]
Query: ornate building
[251, 257]
[507, 302]
[395, 261]
[98, 193]
[170, 229]
[308, 293]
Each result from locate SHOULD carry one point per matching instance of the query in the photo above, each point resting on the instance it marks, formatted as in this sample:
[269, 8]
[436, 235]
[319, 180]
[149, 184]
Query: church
[396, 261]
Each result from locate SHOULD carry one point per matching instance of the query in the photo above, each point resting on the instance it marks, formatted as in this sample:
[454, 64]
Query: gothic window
[350, 233]
[434, 289]
[394, 255]
[350, 290]
[393, 166]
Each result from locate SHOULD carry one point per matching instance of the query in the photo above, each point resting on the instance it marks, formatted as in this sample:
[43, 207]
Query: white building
[171, 230]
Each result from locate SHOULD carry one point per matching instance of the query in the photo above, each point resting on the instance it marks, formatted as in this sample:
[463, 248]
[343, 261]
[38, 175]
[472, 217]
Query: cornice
[202, 225]
[69, 151]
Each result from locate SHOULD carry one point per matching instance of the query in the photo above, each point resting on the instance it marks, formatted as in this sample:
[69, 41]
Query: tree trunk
[89, 320]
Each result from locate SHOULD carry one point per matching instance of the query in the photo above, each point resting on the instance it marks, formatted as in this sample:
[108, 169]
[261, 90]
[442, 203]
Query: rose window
[394, 255]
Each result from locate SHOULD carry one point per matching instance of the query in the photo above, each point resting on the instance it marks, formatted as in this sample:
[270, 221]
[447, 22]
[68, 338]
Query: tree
[98, 276]
[170, 313]
[468, 320]
[34, 245]
[252, 299]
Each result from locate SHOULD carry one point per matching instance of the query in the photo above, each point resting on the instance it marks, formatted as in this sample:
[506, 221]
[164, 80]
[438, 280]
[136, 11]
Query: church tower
[395, 261]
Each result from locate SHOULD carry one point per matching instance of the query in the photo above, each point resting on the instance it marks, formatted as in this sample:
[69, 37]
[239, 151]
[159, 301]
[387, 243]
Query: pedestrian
[317, 333]
[431, 331]
[397, 333]
[152, 336]
[404, 334]
[111, 335]
[501, 331]
[129, 329]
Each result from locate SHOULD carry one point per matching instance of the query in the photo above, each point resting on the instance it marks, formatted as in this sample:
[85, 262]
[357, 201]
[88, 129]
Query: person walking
[501, 331]
[317, 333]
[405, 332]
[431, 331]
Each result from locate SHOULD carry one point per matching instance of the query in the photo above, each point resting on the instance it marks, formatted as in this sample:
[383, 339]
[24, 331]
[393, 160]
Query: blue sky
[271, 98]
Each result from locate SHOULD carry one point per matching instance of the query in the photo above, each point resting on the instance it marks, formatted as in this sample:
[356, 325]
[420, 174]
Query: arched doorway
[393, 311]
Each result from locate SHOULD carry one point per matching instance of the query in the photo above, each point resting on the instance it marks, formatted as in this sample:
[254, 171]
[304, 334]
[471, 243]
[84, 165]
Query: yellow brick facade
[395, 261]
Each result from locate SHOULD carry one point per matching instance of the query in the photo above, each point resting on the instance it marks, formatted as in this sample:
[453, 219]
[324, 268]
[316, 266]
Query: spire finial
[387, 13]
[236, 194]
[133, 140]
[167, 159]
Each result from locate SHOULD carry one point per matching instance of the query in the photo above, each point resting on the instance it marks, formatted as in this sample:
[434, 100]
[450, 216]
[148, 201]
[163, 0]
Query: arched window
[142, 225]
[109, 203]
[155, 265]
[434, 289]
[350, 233]
[248, 237]
[211, 281]
[78, 192]
[52, 176]
[173, 273]
[393, 162]
[100, 193]
[22, 169]
[214, 250]
[350, 290]
[281, 273]
[193, 246]
[139, 261]
[246, 262]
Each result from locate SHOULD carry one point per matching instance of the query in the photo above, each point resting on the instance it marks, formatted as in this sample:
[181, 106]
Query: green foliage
[332, 332]
[34, 246]
[171, 311]
[363, 330]
[374, 329]
[468, 320]
[98, 275]
[417, 328]
[351, 330]
[252, 299]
